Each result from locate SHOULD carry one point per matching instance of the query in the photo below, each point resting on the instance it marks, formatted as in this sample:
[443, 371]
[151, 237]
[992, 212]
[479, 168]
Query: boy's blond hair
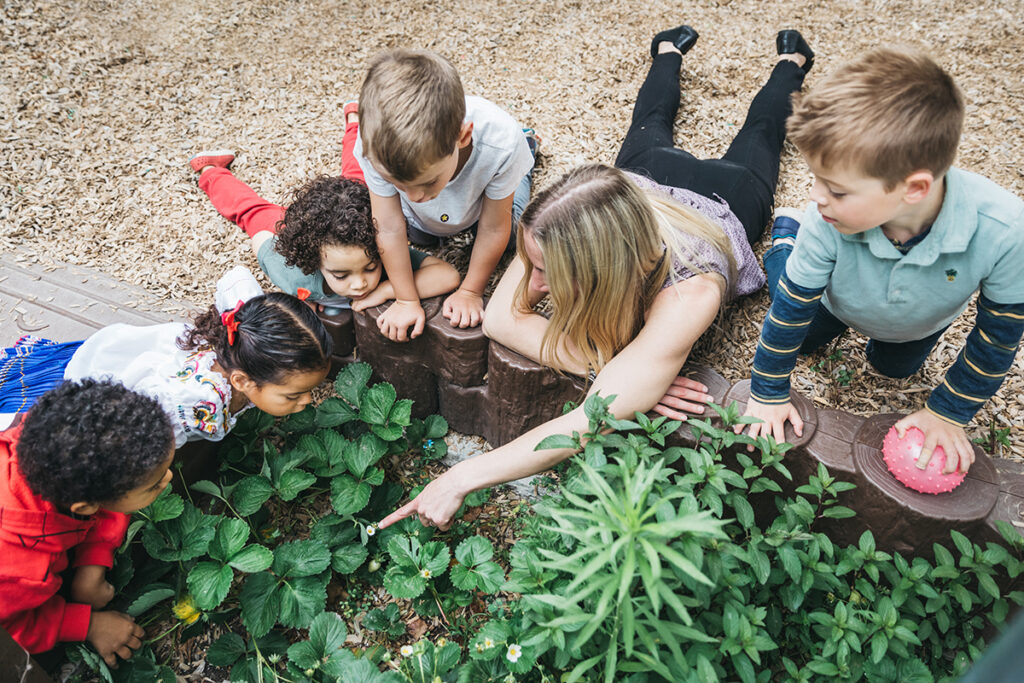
[411, 110]
[888, 114]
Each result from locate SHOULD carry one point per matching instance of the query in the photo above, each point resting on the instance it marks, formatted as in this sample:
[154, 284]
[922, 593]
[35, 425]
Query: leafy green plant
[733, 598]
[227, 557]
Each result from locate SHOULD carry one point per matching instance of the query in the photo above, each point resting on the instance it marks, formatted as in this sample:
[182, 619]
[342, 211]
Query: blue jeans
[892, 359]
[520, 198]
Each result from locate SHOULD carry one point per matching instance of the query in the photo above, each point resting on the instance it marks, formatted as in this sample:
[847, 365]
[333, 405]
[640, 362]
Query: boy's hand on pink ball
[464, 308]
[937, 432]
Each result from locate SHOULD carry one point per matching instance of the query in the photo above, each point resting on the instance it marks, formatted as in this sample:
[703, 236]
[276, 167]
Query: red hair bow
[302, 293]
[228, 318]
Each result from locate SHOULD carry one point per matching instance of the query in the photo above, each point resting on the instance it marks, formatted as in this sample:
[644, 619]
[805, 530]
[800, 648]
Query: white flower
[425, 573]
[488, 643]
[514, 653]
[406, 650]
[371, 529]
[441, 642]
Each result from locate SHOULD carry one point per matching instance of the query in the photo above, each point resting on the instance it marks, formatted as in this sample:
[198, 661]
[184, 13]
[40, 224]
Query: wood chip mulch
[102, 104]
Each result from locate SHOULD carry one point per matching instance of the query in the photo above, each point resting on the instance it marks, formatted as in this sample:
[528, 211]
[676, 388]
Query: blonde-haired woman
[637, 261]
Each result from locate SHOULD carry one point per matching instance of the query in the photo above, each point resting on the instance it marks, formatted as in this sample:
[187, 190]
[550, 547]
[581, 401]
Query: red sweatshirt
[34, 543]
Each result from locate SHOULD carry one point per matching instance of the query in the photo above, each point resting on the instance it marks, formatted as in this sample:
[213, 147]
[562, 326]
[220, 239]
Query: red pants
[240, 204]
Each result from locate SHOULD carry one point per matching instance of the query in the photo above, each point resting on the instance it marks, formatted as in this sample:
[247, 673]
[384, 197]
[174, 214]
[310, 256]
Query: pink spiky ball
[900, 456]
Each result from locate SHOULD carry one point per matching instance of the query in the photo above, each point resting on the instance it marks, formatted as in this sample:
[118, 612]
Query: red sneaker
[351, 107]
[220, 158]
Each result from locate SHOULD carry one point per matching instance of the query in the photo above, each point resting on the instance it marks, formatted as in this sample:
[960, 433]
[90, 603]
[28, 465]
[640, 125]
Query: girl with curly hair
[323, 247]
[249, 349]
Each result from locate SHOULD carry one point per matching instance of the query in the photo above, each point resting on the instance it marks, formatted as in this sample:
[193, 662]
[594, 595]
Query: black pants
[748, 173]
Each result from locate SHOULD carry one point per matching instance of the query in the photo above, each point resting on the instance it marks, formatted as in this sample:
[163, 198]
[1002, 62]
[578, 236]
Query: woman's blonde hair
[608, 248]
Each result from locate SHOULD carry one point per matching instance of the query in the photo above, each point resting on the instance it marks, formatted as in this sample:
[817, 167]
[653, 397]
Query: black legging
[748, 173]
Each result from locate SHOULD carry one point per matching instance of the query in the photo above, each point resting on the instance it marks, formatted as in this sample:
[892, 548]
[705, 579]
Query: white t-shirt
[497, 164]
[148, 360]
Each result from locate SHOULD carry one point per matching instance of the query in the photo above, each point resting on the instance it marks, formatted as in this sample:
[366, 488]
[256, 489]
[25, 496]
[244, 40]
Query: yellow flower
[186, 610]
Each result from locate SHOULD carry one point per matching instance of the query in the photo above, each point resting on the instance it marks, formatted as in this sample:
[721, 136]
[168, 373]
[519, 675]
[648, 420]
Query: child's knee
[894, 365]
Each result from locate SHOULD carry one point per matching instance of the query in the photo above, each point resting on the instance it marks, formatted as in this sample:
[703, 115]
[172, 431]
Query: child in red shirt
[86, 456]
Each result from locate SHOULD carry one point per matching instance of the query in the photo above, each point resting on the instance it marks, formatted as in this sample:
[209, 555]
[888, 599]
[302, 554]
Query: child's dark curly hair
[92, 441]
[326, 211]
[277, 335]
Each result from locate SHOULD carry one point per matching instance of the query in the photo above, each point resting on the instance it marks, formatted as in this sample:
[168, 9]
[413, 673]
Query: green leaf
[183, 538]
[327, 634]
[303, 655]
[436, 427]
[293, 482]
[226, 650]
[250, 494]
[166, 506]
[364, 453]
[401, 413]
[351, 382]
[207, 487]
[404, 551]
[334, 412]
[376, 404]
[253, 558]
[148, 599]
[347, 558]
[391, 432]
[301, 558]
[209, 583]
[231, 536]
[435, 557]
[384, 619]
[839, 512]
[557, 441]
[349, 496]
[490, 577]
[301, 600]
[988, 585]
[963, 544]
[879, 646]
[404, 582]
[474, 550]
[261, 603]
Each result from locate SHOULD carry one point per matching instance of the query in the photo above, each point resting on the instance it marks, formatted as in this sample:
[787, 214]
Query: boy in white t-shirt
[437, 163]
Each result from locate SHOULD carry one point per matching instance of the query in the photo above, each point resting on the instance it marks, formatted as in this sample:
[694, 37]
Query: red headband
[228, 318]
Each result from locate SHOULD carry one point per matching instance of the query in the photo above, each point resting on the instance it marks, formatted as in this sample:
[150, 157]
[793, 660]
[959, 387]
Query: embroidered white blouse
[148, 360]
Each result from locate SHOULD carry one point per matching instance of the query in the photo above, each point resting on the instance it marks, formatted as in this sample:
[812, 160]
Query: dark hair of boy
[91, 441]
[277, 335]
[326, 211]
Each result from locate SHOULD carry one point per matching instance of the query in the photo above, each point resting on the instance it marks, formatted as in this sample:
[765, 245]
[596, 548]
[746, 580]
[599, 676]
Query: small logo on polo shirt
[951, 274]
[444, 218]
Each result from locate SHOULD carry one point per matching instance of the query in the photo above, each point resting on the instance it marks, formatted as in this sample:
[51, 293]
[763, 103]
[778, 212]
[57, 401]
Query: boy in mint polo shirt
[894, 245]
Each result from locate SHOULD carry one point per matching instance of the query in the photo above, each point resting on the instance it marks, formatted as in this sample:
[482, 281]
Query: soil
[103, 103]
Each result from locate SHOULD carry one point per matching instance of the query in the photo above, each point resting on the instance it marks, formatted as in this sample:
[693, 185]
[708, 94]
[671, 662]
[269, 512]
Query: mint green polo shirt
[290, 278]
[977, 242]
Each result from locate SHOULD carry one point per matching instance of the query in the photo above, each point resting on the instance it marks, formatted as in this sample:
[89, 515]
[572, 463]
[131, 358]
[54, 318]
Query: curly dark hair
[326, 211]
[92, 441]
[277, 335]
